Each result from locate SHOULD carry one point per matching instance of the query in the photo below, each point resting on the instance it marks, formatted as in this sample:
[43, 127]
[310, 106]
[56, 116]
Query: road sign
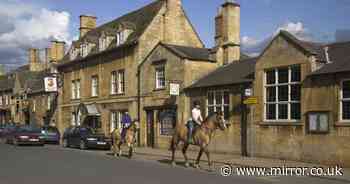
[250, 101]
[248, 92]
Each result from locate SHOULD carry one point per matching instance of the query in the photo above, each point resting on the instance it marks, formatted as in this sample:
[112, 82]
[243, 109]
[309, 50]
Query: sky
[33, 23]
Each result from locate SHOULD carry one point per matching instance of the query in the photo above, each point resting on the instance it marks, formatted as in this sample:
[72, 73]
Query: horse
[201, 137]
[129, 140]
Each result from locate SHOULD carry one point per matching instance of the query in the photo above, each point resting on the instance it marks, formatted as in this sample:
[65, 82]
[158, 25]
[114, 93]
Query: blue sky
[25, 22]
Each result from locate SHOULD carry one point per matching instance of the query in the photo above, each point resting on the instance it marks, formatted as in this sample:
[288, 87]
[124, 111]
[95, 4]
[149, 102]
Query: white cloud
[26, 26]
[296, 28]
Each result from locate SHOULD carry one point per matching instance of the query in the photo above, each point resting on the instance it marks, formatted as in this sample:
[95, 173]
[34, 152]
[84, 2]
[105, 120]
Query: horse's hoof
[196, 166]
[173, 164]
[187, 164]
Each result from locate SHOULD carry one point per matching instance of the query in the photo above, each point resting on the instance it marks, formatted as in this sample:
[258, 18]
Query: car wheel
[65, 143]
[82, 145]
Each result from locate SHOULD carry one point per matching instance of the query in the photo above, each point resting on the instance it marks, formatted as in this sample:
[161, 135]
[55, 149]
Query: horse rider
[196, 120]
[126, 122]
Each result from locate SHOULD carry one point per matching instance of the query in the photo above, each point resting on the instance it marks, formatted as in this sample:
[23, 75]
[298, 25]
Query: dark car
[7, 131]
[25, 135]
[51, 134]
[85, 138]
[2, 127]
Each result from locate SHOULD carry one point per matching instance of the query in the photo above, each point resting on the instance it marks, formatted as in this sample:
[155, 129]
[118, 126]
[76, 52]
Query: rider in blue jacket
[126, 122]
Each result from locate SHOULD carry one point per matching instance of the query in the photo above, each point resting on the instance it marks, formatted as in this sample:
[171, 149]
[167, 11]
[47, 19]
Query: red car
[26, 135]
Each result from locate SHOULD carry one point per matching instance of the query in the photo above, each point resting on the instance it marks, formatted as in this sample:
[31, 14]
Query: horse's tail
[172, 143]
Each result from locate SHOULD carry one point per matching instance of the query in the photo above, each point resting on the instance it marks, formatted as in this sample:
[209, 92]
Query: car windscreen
[29, 130]
[51, 129]
[86, 131]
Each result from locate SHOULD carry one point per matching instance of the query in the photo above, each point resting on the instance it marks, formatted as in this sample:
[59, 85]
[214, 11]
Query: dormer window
[73, 53]
[120, 38]
[102, 43]
[84, 50]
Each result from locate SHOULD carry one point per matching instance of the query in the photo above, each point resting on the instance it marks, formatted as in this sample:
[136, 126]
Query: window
[102, 43]
[49, 102]
[218, 101]
[84, 49]
[34, 105]
[318, 122]
[167, 120]
[160, 77]
[114, 83]
[94, 86]
[115, 120]
[75, 89]
[282, 94]
[121, 82]
[73, 119]
[345, 101]
[7, 100]
[0, 100]
[73, 53]
[120, 38]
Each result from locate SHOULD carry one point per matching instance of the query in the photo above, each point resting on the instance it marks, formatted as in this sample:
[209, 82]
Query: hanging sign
[174, 89]
[50, 84]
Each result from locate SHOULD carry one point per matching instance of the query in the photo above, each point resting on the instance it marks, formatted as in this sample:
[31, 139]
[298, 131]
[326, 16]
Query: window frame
[276, 85]
[318, 125]
[341, 100]
[115, 119]
[158, 69]
[215, 105]
[120, 38]
[95, 86]
[120, 81]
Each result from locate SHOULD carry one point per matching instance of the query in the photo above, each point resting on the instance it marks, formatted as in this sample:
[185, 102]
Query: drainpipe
[139, 104]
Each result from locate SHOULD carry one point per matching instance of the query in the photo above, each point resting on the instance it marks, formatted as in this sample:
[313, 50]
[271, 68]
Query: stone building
[23, 97]
[100, 70]
[302, 110]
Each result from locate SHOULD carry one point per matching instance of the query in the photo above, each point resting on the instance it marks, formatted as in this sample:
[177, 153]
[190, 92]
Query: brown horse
[129, 140]
[201, 137]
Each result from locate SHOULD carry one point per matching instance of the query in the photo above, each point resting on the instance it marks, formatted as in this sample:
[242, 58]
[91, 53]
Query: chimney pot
[87, 23]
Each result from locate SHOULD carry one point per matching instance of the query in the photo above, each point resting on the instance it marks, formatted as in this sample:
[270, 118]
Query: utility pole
[244, 130]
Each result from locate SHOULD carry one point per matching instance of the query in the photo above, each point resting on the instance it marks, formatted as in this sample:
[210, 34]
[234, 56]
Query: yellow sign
[250, 101]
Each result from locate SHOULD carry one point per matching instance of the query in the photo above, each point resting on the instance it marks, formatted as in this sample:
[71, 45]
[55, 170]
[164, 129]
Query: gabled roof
[237, 72]
[139, 19]
[339, 56]
[192, 53]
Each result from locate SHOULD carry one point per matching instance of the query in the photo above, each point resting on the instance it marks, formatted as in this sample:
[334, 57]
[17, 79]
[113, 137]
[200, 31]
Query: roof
[237, 72]
[6, 83]
[311, 48]
[339, 56]
[139, 20]
[194, 53]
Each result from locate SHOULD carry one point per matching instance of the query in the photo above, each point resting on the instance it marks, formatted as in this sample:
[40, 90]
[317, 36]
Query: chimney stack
[34, 60]
[227, 36]
[57, 51]
[87, 23]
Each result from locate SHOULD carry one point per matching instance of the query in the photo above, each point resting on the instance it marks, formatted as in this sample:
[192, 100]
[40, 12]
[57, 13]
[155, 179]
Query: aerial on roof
[138, 20]
[237, 72]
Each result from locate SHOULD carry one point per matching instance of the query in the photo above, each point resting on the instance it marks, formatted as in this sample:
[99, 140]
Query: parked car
[51, 134]
[25, 135]
[7, 131]
[85, 138]
[2, 127]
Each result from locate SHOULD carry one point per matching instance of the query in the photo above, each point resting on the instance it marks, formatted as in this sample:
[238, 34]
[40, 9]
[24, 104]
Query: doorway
[150, 128]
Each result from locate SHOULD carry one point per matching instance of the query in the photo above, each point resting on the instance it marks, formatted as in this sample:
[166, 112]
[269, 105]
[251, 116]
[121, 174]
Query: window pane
[283, 93]
[218, 108]
[270, 77]
[271, 111]
[226, 112]
[283, 75]
[271, 94]
[295, 111]
[346, 89]
[226, 98]
[210, 98]
[218, 98]
[210, 110]
[296, 76]
[346, 110]
[283, 111]
[295, 92]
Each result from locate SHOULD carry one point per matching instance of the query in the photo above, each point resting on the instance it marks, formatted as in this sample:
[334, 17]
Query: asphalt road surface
[56, 165]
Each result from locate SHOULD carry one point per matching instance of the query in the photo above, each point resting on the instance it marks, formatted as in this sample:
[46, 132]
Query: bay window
[218, 101]
[282, 94]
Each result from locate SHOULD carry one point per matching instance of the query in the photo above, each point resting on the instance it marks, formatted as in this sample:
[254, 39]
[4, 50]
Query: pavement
[56, 165]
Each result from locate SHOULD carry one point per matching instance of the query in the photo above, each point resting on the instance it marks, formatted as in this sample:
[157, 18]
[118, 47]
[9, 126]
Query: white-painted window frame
[215, 105]
[121, 82]
[341, 100]
[120, 38]
[94, 86]
[160, 77]
[276, 85]
[115, 120]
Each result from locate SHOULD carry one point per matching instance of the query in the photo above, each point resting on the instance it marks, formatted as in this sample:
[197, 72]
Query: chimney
[57, 51]
[227, 36]
[33, 55]
[87, 23]
[173, 4]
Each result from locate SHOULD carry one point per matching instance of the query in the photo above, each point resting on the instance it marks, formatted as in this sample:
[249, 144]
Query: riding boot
[190, 130]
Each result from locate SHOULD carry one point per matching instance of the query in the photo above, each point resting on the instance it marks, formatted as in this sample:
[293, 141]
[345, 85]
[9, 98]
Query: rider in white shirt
[196, 119]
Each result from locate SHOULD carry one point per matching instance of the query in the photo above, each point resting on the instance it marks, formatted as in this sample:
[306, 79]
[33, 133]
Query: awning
[89, 110]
